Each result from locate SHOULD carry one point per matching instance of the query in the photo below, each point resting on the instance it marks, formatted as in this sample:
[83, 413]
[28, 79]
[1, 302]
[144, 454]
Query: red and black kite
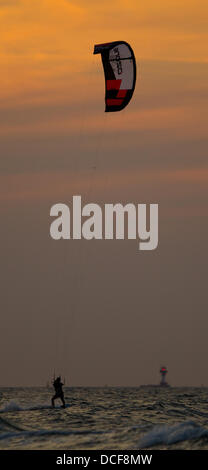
[120, 73]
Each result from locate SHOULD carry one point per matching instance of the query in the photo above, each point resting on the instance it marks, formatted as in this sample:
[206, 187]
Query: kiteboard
[60, 407]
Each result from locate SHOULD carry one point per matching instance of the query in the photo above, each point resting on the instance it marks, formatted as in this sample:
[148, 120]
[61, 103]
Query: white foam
[165, 434]
[13, 406]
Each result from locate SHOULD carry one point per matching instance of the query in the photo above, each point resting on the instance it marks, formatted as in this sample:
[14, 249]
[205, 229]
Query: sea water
[105, 418]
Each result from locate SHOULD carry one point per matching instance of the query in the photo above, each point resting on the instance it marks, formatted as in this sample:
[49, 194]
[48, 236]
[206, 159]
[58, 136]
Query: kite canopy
[120, 73]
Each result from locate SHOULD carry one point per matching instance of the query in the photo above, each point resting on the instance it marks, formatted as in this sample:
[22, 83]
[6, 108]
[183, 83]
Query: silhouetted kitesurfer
[59, 391]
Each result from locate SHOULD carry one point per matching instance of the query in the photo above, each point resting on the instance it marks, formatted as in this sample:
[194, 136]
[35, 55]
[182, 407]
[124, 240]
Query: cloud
[51, 83]
[61, 185]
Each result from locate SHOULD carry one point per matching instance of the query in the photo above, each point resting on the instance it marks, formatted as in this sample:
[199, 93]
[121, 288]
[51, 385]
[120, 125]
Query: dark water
[105, 418]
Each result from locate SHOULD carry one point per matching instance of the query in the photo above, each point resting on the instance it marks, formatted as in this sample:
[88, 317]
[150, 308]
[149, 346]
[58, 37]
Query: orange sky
[46, 45]
[51, 85]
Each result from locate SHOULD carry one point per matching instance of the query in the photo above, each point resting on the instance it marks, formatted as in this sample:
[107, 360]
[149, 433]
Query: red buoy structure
[163, 372]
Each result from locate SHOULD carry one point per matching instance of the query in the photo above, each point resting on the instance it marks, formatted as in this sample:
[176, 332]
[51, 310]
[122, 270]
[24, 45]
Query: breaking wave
[168, 435]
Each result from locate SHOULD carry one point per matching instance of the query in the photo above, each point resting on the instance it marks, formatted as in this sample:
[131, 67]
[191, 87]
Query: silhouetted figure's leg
[63, 401]
[52, 401]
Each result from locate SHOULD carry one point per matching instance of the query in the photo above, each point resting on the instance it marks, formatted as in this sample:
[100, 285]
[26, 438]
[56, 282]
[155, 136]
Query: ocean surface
[105, 419]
